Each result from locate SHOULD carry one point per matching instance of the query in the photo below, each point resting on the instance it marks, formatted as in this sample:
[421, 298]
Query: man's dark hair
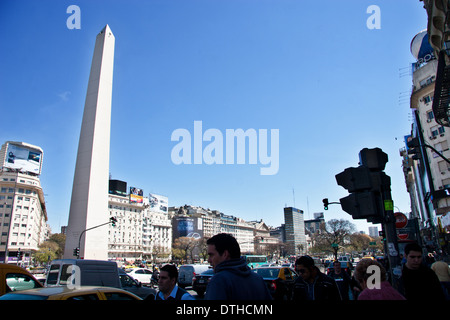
[305, 261]
[412, 247]
[171, 270]
[225, 241]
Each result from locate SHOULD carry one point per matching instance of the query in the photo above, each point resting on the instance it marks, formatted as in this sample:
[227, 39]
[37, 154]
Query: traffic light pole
[391, 244]
[111, 220]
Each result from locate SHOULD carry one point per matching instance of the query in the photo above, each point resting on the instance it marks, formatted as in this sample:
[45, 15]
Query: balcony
[441, 99]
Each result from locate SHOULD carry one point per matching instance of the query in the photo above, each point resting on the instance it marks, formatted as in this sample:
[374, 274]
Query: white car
[142, 275]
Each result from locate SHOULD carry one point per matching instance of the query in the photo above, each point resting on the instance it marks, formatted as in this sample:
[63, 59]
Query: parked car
[200, 281]
[64, 293]
[188, 271]
[279, 280]
[131, 285]
[14, 278]
[142, 275]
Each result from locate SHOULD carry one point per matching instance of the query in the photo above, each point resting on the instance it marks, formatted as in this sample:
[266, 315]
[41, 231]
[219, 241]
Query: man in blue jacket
[233, 278]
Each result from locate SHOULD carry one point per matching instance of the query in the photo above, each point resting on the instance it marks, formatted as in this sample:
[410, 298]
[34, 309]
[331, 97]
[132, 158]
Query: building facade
[427, 172]
[198, 222]
[23, 214]
[143, 230]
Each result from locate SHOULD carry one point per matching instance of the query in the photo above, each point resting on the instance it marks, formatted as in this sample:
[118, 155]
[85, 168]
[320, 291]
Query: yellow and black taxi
[86, 293]
[14, 278]
[279, 280]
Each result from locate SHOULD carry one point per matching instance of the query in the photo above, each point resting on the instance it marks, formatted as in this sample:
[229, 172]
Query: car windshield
[268, 272]
[22, 296]
[208, 272]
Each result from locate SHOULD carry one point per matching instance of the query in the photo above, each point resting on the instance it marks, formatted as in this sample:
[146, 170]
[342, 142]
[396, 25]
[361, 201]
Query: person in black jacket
[418, 282]
[313, 284]
[342, 279]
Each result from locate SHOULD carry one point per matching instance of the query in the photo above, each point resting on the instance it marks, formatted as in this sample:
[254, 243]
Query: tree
[333, 235]
[60, 240]
[183, 247]
[203, 248]
[359, 242]
[51, 249]
[47, 252]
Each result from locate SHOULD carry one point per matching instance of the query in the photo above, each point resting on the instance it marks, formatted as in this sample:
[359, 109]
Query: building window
[446, 183]
[443, 166]
[436, 130]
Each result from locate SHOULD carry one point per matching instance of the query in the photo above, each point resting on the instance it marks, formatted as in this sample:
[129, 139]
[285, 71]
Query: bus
[254, 261]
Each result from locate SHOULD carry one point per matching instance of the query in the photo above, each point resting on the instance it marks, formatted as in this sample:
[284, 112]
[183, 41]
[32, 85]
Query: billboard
[136, 195]
[23, 158]
[190, 227]
[118, 187]
[158, 203]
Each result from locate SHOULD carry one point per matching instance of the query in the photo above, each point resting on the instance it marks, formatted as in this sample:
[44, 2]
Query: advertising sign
[187, 227]
[23, 158]
[158, 203]
[136, 195]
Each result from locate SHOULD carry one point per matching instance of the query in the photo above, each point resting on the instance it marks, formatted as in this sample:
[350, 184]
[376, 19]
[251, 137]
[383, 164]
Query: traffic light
[113, 221]
[325, 203]
[19, 254]
[414, 149]
[366, 185]
[362, 202]
[76, 252]
[374, 159]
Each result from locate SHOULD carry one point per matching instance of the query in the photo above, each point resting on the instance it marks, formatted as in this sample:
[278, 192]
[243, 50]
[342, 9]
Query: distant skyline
[321, 75]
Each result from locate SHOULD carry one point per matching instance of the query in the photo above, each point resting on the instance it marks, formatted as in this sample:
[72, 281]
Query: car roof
[61, 290]
[135, 269]
[4, 266]
[211, 270]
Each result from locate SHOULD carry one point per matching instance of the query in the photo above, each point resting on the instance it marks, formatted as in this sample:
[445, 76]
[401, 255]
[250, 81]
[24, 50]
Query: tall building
[23, 215]
[427, 174]
[373, 232]
[295, 231]
[89, 202]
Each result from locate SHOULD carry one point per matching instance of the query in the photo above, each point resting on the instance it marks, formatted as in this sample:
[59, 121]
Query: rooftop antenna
[307, 205]
[293, 196]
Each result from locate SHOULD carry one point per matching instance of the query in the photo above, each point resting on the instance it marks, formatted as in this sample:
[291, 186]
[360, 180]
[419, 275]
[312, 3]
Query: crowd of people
[234, 280]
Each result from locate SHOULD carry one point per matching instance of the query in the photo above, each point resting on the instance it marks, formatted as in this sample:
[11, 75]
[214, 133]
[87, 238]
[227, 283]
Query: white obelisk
[89, 203]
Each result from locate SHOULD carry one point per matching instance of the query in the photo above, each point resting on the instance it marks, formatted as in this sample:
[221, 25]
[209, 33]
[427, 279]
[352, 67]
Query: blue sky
[313, 70]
